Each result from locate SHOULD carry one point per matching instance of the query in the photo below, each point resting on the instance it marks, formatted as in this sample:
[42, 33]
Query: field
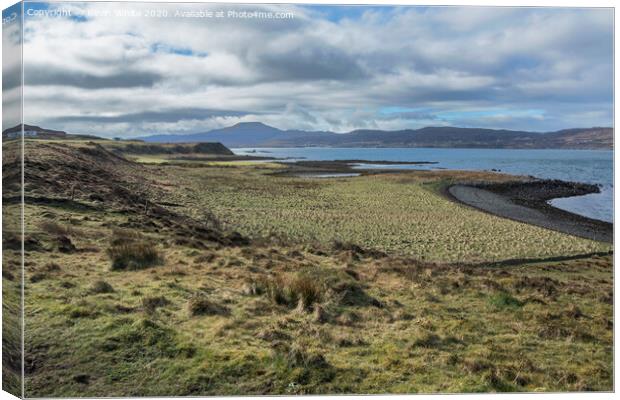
[208, 278]
[401, 213]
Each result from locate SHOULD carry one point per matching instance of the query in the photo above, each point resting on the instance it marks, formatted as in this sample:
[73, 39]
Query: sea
[587, 166]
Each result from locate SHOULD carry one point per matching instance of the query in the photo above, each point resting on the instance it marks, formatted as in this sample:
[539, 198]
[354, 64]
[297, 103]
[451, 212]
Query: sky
[165, 68]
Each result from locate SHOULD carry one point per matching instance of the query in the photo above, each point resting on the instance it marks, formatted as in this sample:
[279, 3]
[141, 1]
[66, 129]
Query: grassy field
[403, 213]
[137, 284]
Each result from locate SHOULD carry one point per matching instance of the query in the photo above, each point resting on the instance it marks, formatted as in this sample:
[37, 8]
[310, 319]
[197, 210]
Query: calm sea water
[588, 166]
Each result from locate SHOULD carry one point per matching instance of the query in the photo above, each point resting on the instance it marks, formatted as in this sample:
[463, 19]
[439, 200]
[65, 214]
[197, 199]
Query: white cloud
[315, 73]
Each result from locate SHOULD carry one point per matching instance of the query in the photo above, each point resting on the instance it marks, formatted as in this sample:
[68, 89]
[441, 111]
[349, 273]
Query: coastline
[527, 202]
[518, 200]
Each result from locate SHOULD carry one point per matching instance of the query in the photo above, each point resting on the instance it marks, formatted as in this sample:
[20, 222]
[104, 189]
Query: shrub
[101, 287]
[134, 256]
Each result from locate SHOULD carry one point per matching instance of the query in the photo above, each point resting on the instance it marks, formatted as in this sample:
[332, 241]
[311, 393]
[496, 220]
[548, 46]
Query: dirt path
[544, 216]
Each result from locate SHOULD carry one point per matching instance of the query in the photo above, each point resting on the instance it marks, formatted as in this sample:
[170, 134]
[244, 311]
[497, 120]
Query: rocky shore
[528, 202]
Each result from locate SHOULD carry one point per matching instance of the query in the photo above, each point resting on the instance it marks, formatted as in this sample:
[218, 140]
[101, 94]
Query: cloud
[11, 67]
[41, 76]
[168, 115]
[330, 68]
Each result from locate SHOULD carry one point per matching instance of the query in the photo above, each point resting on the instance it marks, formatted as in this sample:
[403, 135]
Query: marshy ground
[202, 277]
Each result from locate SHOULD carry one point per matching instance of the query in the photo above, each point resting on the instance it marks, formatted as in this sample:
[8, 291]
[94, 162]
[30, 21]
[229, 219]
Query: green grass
[393, 213]
[201, 333]
[504, 301]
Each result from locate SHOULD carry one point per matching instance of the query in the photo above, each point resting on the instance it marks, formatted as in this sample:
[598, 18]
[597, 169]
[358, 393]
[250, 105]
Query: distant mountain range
[256, 134]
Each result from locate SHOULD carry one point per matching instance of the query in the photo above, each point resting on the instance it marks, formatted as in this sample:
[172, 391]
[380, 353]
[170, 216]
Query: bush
[130, 250]
[134, 256]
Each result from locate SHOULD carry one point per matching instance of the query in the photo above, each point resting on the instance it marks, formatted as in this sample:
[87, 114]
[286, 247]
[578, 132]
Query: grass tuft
[101, 287]
[56, 229]
[503, 301]
[298, 290]
[134, 256]
[151, 304]
[201, 305]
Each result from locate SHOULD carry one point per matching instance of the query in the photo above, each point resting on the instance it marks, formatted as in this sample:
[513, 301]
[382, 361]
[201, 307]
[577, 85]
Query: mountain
[248, 134]
[256, 134]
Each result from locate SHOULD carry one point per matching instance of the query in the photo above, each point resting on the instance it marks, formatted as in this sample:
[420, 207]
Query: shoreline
[523, 201]
[527, 202]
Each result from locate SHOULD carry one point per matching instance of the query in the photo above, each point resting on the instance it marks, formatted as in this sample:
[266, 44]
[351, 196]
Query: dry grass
[130, 250]
[151, 304]
[296, 290]
[201, 305]
[101, 287]
[400, 213]
[134, 256]
[56, 228]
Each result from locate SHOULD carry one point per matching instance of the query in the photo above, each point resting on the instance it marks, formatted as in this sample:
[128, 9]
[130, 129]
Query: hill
[122, 147]
[141, 148]
[255, 134]
[33, 131]
[240, 135]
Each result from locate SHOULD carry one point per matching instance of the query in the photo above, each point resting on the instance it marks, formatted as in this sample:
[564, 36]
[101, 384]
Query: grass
[101, 287]
[503, 300]
[132, 256]
[201, 305]
[129, 250]
[298, 290]
[396, 213]
[198, 317]
[152, 303]
[202, 332]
